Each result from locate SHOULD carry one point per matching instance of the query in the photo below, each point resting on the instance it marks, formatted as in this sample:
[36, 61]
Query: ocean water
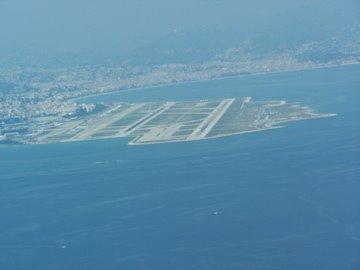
[280, 199]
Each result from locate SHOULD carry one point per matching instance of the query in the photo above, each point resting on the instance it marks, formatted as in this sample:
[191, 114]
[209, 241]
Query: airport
[163, 122]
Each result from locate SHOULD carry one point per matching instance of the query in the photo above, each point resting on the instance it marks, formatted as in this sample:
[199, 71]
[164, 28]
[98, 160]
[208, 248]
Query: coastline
[208, 80]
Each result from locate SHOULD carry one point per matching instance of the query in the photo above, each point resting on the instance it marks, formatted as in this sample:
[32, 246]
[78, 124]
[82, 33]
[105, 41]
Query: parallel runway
[161, 122]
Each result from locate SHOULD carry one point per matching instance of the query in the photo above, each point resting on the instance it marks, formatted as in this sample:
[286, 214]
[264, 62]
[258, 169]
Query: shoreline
[208, 80]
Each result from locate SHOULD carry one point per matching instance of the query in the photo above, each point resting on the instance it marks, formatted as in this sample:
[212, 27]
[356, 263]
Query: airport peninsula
[163, 122]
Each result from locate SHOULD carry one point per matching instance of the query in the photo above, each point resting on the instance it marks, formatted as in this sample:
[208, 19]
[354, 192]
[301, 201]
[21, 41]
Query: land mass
[163, 122]
[41, 101]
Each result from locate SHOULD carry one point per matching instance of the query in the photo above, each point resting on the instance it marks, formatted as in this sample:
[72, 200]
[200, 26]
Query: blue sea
[280, 199]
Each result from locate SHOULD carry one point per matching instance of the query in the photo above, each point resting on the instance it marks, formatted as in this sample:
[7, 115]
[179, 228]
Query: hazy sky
[110, 24]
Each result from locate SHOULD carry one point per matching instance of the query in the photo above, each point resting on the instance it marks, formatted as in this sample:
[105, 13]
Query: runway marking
[90, 131]
[205, 127]
[147, 118]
